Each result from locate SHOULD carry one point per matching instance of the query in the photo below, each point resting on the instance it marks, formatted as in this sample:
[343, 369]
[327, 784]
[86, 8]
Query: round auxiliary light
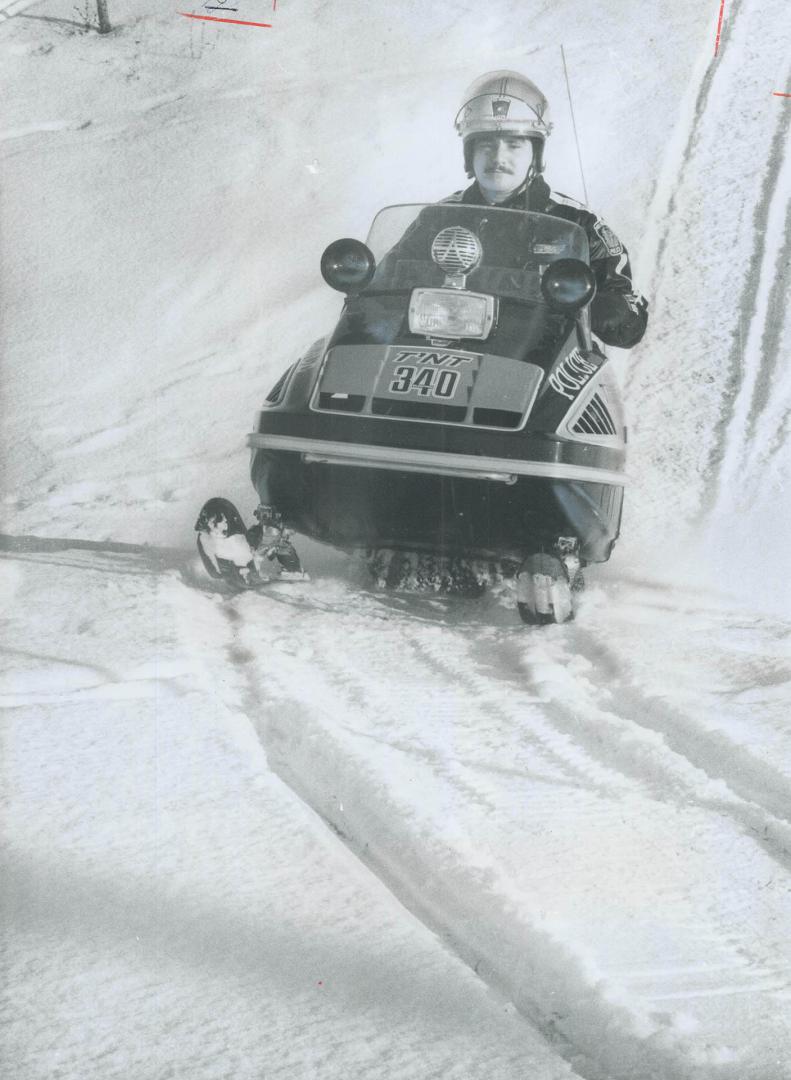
[568, 284]
[456, 250]
[348, 265]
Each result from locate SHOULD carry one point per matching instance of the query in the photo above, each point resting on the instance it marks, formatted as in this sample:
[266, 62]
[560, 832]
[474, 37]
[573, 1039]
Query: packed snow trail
[170, 908]
[583, 838]
[570, 851]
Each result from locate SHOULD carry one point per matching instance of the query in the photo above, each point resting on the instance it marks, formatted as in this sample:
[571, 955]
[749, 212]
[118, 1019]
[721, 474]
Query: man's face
[500, 163]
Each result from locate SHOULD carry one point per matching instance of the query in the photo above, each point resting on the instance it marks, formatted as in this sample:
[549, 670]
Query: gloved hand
[619, 319]
[268, 517]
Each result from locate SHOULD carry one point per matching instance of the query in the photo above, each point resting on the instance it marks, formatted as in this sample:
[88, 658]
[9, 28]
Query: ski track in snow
[522, 791]
[544, 734]
[758, 782]
[214, 929]
[684, 766]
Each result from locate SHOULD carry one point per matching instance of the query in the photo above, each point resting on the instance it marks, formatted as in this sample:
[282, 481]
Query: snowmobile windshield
[480, 248]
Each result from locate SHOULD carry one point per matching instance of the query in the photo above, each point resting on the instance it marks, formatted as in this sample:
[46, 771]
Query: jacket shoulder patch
[608, 238]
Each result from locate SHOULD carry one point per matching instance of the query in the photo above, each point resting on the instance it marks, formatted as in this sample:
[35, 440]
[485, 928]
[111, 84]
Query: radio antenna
[574, 123]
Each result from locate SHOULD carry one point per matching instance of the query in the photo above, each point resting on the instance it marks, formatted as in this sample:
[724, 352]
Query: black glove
[619, 319]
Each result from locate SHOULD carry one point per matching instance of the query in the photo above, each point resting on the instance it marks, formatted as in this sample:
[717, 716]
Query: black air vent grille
[595, 419]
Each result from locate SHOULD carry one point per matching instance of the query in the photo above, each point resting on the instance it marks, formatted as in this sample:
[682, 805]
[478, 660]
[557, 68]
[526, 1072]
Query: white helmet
[504, 101]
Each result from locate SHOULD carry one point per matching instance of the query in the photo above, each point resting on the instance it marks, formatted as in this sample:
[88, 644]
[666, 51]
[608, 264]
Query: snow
[326, 830]
[710, 423]
[543, 800]
[176, 909]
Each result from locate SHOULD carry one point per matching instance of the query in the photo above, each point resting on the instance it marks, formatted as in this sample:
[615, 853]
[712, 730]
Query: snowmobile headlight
[568, 285]
[348, 265]
[450, 313]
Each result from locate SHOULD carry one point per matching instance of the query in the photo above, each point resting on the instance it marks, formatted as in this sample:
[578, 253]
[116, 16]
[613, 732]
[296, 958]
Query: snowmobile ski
[245, 558]
[543, 592]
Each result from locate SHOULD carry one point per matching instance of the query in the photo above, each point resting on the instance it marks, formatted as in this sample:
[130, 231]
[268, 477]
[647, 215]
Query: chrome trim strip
[431, 461]
[399, 466]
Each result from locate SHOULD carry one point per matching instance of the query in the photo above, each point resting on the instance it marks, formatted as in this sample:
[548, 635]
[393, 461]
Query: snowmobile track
[476, 684]
[754, 781]
[757, 799]
[489, 718]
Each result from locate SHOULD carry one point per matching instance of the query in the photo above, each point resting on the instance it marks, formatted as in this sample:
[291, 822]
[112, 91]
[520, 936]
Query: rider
[504, 122]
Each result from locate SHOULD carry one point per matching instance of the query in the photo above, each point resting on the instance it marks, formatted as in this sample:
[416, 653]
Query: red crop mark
[777, 93]
[719, 28]
[274, 5]
[213, 18]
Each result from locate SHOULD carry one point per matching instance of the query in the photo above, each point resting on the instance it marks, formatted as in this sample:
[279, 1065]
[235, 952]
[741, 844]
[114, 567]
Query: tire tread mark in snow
[391, 874]
[359, 693]
[654, 768]
[513, 714]
[763, 810]
[427, 888]
[590, 735]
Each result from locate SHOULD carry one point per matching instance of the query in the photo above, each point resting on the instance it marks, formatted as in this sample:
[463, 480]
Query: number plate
[431, 375]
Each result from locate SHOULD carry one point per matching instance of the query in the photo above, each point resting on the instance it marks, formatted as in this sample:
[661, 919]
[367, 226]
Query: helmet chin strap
[537, 164]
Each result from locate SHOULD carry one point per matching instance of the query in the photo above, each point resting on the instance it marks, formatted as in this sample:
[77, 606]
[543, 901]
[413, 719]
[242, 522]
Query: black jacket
[619, 314]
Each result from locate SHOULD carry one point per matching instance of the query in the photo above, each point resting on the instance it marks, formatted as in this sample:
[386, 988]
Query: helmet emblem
[503, 101]
[456, 250]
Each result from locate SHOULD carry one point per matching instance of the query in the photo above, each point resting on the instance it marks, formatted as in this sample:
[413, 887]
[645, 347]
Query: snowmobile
[459, 425]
